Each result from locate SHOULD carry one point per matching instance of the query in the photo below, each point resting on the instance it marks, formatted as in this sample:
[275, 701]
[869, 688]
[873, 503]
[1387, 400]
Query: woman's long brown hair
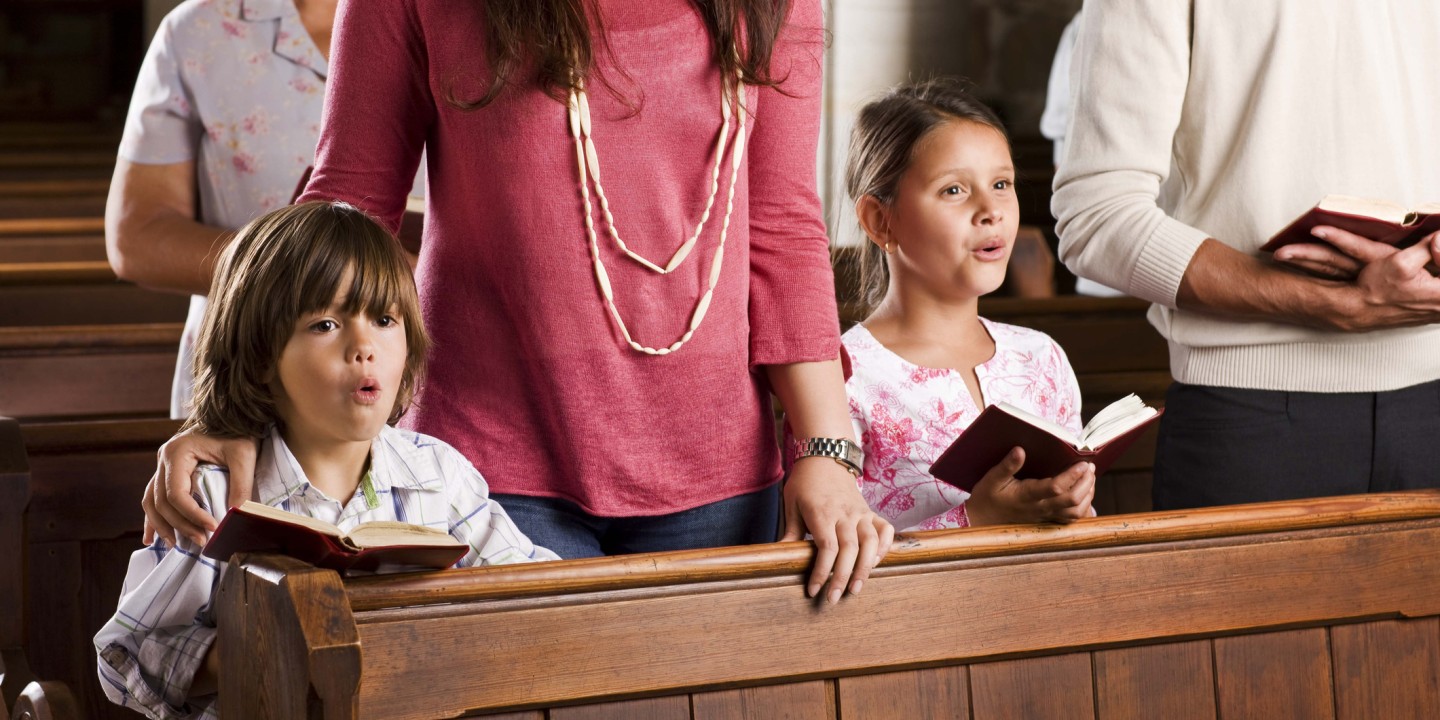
[554, 38]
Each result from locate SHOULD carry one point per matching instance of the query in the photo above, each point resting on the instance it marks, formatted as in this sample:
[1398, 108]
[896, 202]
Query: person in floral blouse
[933, 182]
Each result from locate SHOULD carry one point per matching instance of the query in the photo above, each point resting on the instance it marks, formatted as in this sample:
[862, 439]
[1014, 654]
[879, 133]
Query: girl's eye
[952, 190]
[323, 326]
[386, 321]
[1004, 184]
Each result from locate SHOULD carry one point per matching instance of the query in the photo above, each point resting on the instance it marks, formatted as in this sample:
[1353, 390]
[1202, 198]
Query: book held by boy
[1378, 220]
[371, 546]
[1049, 448]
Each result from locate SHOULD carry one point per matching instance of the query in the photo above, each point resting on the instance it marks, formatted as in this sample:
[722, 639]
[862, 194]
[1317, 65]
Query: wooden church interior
[1307, 609]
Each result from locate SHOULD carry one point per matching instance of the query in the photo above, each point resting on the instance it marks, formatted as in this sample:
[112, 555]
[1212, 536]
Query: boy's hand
[1001, 498]
[169, 508]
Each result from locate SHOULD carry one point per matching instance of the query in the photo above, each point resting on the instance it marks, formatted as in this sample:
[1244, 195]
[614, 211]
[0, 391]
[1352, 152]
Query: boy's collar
[394, 463]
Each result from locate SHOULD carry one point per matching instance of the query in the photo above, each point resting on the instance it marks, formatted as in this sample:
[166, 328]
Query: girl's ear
[874, 219]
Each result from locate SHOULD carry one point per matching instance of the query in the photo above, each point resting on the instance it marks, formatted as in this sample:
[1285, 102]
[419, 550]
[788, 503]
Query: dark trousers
[1221, 446]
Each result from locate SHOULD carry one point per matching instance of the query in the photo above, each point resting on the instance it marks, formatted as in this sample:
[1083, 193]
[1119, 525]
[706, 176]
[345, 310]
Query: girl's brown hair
[882, 144]
[555, 38]
[283, 265]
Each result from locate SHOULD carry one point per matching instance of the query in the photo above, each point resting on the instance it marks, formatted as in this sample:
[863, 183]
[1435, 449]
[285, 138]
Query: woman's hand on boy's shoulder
[170, 509]
[1000, 497]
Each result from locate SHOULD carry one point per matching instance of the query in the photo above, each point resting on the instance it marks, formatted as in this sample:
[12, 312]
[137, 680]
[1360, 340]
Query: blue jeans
[573, 533]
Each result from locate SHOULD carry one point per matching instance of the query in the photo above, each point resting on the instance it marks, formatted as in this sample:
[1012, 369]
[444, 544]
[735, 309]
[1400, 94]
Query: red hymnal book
[1377, 220]
[371, 546]
[1049, 448]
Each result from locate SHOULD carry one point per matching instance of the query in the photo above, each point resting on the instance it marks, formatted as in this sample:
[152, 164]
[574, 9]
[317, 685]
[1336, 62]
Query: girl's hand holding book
[1001, 498]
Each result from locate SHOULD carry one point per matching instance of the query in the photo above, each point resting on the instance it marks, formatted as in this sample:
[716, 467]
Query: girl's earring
[889, 247]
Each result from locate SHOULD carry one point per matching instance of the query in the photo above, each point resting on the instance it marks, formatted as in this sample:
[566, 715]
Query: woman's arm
[378, 110]
[151, 235]
[821, 497]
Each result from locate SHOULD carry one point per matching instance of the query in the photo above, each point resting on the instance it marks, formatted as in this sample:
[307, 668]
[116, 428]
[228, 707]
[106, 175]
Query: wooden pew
[79, 293]
[46, 701]
[51, 248]
[1311, 609]
[66, 163]
[83, 481]
[87, 370]
[78, 198]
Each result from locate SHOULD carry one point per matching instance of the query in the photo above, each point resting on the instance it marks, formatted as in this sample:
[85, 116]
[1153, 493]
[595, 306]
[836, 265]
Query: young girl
[312, 342]
[934, 190]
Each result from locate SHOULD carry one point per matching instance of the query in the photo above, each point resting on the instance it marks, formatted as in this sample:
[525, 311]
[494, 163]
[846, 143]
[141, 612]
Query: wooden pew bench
[51, 248]
[61, 163]
[1312, 609]
[78, 198]
[79, 293]
[87, 370]
[69, 520]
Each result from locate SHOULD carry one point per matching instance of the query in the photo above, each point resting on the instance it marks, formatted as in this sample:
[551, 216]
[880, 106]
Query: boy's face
[338, 376]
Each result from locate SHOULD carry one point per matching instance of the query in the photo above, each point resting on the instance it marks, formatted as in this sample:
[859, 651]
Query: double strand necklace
[588, 163]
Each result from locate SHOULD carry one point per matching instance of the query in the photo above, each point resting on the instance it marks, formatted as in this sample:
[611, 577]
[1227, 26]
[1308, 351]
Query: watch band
[841, 450]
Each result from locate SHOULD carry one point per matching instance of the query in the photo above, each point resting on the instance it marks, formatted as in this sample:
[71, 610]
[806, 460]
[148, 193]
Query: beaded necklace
[588, 162]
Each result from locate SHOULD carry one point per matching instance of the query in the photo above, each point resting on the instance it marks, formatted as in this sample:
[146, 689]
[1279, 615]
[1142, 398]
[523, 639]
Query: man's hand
[1000, 498]
[850, 539]
[169, 507]
[1393, 288]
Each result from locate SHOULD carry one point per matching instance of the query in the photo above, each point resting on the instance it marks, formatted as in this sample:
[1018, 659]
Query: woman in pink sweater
[623, 257]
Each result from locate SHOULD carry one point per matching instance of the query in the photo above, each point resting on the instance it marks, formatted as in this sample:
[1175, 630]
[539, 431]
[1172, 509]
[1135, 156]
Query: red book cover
[253, 527]
[989, 439]
[1374, 219]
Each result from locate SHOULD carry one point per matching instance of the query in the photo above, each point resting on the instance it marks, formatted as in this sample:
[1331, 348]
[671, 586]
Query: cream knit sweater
[1226, 119]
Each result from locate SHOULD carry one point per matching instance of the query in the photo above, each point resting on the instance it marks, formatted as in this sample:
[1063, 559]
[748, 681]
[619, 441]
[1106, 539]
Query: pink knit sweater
[529, 376]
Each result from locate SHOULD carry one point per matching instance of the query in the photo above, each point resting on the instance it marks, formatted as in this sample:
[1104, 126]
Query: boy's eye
[387, 321]
[323, 326]
[1004, 184]
[953, 190]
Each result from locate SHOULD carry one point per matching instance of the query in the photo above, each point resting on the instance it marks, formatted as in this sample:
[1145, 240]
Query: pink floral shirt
[906, 415]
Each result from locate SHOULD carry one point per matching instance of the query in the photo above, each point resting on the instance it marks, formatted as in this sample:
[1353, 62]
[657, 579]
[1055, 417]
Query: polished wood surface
[46, 701]
[1016, 609]
[87, 371]
[81, 523]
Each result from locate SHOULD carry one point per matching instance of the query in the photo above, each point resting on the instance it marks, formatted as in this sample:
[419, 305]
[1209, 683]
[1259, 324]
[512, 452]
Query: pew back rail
[1018, 614]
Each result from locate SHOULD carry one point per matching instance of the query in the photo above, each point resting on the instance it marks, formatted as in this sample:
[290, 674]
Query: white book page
[1058, 431]
[1115, 420]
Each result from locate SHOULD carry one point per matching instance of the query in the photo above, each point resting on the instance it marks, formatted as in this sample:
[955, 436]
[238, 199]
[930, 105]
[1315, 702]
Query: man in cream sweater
[1205, 126]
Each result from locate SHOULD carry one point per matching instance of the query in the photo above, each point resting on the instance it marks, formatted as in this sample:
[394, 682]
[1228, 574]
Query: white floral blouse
[906, 415]
[237, 87]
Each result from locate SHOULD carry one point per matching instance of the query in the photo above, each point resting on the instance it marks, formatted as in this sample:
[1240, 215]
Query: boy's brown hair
[283, 265]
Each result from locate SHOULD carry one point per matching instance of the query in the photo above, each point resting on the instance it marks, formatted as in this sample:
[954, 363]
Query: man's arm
[151, 235]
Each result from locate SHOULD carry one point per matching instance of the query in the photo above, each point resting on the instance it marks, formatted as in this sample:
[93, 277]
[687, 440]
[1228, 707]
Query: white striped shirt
[157, 640]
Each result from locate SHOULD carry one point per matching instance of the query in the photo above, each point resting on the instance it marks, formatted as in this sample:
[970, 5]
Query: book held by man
[373, 546]
[1049, 448]
[1378, 220]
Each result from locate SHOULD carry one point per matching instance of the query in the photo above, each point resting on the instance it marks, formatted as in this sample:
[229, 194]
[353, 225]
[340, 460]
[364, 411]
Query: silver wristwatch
[840, 450]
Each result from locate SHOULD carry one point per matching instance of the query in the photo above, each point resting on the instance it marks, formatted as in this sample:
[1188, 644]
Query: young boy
[312, 342]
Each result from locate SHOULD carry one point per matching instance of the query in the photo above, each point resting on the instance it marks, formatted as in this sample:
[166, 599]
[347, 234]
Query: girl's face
[955, 213]
[339, 374]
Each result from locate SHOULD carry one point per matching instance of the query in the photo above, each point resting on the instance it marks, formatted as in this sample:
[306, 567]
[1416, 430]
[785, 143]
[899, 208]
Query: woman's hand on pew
[168, 504]
[1001, 498]
[821, 498]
